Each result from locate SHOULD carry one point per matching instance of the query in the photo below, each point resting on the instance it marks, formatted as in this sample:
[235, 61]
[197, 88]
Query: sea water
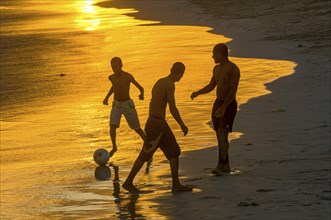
[54, 76]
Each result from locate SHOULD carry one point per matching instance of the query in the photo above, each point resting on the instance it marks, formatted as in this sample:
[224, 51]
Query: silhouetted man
[122, 103]
[158, 132]
[226, 78]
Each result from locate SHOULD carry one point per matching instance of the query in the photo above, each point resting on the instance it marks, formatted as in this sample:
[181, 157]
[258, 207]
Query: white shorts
[127, 108]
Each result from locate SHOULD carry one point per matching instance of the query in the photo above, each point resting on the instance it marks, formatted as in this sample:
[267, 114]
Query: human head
[116, 64]
[177, 71]
[220, 52]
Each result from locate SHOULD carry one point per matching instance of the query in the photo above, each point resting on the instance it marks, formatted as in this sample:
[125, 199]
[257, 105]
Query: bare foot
[130, 187]
[217, 170]
[181, 188]
[111, 153]
[226, 169]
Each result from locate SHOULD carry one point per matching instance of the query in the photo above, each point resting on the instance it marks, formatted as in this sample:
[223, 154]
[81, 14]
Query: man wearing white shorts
[122, 103]
[126, 108]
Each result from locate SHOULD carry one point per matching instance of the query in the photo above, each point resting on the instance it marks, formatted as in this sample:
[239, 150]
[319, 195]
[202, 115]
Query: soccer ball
[101, 156]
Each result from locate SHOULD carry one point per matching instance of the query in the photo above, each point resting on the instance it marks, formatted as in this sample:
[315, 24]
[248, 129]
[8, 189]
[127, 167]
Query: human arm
[207, 89]
[141, 89]
[173, 108]
[111, 91]
[234, 81]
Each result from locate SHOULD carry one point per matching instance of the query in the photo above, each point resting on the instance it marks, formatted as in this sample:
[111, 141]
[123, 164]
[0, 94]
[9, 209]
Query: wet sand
[281, 164]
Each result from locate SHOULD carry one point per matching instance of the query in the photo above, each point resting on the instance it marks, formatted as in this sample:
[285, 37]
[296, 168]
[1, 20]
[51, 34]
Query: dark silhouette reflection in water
[126, 203]
[148, 165]
[102, 173]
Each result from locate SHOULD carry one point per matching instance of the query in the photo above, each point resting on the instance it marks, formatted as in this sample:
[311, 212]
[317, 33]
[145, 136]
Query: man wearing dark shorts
[159, 135]
[225, 77]
[158, 132]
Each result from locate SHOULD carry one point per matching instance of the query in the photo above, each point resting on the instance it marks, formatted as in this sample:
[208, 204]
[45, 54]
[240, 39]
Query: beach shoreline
[282, 161]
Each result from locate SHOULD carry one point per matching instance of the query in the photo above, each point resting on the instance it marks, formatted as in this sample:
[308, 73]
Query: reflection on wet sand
[102, 173]
[126, 205]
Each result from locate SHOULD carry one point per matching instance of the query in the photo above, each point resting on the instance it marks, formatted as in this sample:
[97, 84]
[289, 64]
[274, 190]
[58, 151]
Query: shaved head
[222, 49]
[177, 68]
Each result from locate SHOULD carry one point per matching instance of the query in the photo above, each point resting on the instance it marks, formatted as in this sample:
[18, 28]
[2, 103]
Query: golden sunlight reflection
[91, 17]
[88, 19]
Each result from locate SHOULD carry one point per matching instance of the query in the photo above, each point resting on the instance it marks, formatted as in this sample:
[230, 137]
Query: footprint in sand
[245, 204]
[210, 197]
[265, 190]
[193, 179]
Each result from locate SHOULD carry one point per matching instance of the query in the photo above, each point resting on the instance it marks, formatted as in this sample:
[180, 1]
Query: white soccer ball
[101, 156]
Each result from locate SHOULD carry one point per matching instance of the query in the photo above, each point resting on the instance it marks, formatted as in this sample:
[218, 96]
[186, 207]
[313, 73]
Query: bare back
[160, 91]
[226, 77]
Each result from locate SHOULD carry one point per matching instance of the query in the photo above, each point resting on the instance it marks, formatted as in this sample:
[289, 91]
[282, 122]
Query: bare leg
[176, 185]
[128, 184]
[141, 133]
[113, 139]
[143, 136]
[224, 150]
[219, 166]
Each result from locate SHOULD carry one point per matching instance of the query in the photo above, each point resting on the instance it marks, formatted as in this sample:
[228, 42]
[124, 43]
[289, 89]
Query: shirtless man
[122, 103]
[158, 132]
[226, 78]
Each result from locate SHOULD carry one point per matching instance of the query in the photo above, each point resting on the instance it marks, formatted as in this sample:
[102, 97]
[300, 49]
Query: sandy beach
[282, 161]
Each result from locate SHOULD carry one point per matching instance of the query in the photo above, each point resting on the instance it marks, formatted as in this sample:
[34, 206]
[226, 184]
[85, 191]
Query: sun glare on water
[87, 20]
[92, 17]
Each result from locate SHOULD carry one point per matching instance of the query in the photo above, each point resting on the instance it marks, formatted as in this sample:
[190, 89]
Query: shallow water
[52, 124]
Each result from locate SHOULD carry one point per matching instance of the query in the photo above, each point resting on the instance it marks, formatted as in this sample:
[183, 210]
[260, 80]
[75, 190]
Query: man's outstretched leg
[176, 185]
[128, 184]
[113, 139]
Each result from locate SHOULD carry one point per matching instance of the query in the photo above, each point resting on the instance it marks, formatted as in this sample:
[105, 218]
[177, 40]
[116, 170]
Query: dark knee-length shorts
[159, 135]
[225, 122]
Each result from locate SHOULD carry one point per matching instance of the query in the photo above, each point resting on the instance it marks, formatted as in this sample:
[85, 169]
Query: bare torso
[121, 85]
[158, 104]
[222, 75]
